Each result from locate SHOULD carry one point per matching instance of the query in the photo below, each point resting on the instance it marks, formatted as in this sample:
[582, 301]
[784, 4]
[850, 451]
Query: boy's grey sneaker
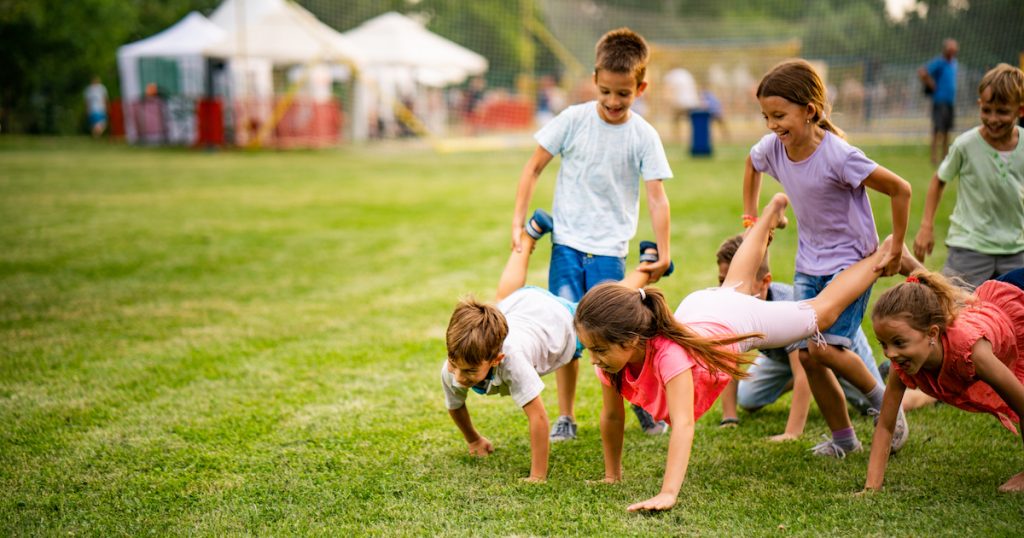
[647, 422]
[829, 448]
[564, 429]
[899, 433]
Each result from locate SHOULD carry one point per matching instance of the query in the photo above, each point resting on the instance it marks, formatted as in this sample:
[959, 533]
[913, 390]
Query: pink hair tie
[913, 279]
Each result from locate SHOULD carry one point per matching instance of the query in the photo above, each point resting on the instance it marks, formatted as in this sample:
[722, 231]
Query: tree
[52, 48]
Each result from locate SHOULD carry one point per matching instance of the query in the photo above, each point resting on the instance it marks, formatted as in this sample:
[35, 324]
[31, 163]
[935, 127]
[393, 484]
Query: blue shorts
[844, 330]
[572, 273]
[97, 117]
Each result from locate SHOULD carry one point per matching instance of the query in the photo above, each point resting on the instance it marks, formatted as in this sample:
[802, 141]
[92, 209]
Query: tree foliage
[52, 48]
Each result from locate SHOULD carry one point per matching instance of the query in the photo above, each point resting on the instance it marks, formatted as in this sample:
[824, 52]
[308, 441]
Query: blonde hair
[931, 300]
[476, 332]
[727, 251]
[797, 82]
[617, 314]
[1007, 83]
[622, 51]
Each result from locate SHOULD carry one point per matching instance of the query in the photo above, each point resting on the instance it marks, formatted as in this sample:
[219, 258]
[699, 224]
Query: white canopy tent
[279, 31]
[184, 43]
[393, 40]
[398, 54]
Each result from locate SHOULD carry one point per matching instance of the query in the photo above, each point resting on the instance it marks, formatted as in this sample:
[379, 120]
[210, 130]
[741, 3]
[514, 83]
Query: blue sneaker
[653, 256]
[541, 220]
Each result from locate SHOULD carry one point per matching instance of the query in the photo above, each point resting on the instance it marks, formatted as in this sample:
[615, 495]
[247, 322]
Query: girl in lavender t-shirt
[825, 179]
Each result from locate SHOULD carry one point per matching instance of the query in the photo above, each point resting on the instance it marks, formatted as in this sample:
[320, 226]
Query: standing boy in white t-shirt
[506, 348]
[606, 150]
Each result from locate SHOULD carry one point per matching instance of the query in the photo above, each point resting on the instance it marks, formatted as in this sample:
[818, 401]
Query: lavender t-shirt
[835, 226]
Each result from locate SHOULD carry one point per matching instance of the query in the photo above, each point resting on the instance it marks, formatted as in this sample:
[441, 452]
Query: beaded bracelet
[748, 220]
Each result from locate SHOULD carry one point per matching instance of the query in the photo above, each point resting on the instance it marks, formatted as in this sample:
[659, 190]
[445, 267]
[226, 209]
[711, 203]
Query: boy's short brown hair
[622, 51]
[1007, 83]
[476, 332]
[727, 251]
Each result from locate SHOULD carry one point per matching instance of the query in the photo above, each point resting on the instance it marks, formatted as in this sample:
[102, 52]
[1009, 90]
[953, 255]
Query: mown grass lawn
[235, 343]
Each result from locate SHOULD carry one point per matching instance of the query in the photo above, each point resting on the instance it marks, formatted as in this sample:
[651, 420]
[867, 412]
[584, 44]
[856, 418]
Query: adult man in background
[939, 79]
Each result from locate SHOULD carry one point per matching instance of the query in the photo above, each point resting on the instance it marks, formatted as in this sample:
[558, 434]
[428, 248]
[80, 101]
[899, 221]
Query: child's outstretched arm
[882, 440]
[751, 188]
[991, 370]
[679, 392]
[613, 424]
[898, 190]
[924, 242]
[524, 192]
[478, 444]
[658, 205]
[539, 443]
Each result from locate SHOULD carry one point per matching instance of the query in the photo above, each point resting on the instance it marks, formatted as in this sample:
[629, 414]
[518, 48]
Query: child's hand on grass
[481, 447]
[661, 501]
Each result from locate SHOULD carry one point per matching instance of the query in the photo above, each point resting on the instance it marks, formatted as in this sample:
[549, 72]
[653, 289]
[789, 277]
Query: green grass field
[238, 343]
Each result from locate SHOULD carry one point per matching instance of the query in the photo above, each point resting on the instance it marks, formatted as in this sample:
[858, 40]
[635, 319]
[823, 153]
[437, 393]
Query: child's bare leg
[913, 399]
[846, 364]
[743, 269]
[730, 417]
[566, 378]
[636, 279]
[828, 394]
[513, 276]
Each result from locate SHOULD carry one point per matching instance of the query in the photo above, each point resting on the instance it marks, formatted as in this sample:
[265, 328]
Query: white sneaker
[829, 448]
[899, 433]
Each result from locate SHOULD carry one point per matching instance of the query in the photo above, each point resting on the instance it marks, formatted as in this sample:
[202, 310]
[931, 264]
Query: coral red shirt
[664, 360]
[997, 316]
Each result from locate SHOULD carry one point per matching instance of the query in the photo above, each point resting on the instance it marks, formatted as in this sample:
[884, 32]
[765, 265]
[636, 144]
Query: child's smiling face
[998, 119]
[467, 375]
[788, 120]
[908, 347]
[616, 92]
[611, 358]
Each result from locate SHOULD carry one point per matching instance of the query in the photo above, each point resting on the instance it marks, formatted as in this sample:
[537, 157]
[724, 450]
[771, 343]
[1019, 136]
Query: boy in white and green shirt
[986, 229]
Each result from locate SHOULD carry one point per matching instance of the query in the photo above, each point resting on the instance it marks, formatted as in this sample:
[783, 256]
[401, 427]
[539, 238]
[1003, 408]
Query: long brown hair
[925, 299]
[617, 314]
[797, 82]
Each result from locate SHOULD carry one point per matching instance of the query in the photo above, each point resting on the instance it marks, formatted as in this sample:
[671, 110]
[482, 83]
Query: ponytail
[925, 299]
[617, 314]
[827, 124]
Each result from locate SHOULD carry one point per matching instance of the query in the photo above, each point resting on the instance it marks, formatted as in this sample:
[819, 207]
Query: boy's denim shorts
[572, 273]
[843, 331]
